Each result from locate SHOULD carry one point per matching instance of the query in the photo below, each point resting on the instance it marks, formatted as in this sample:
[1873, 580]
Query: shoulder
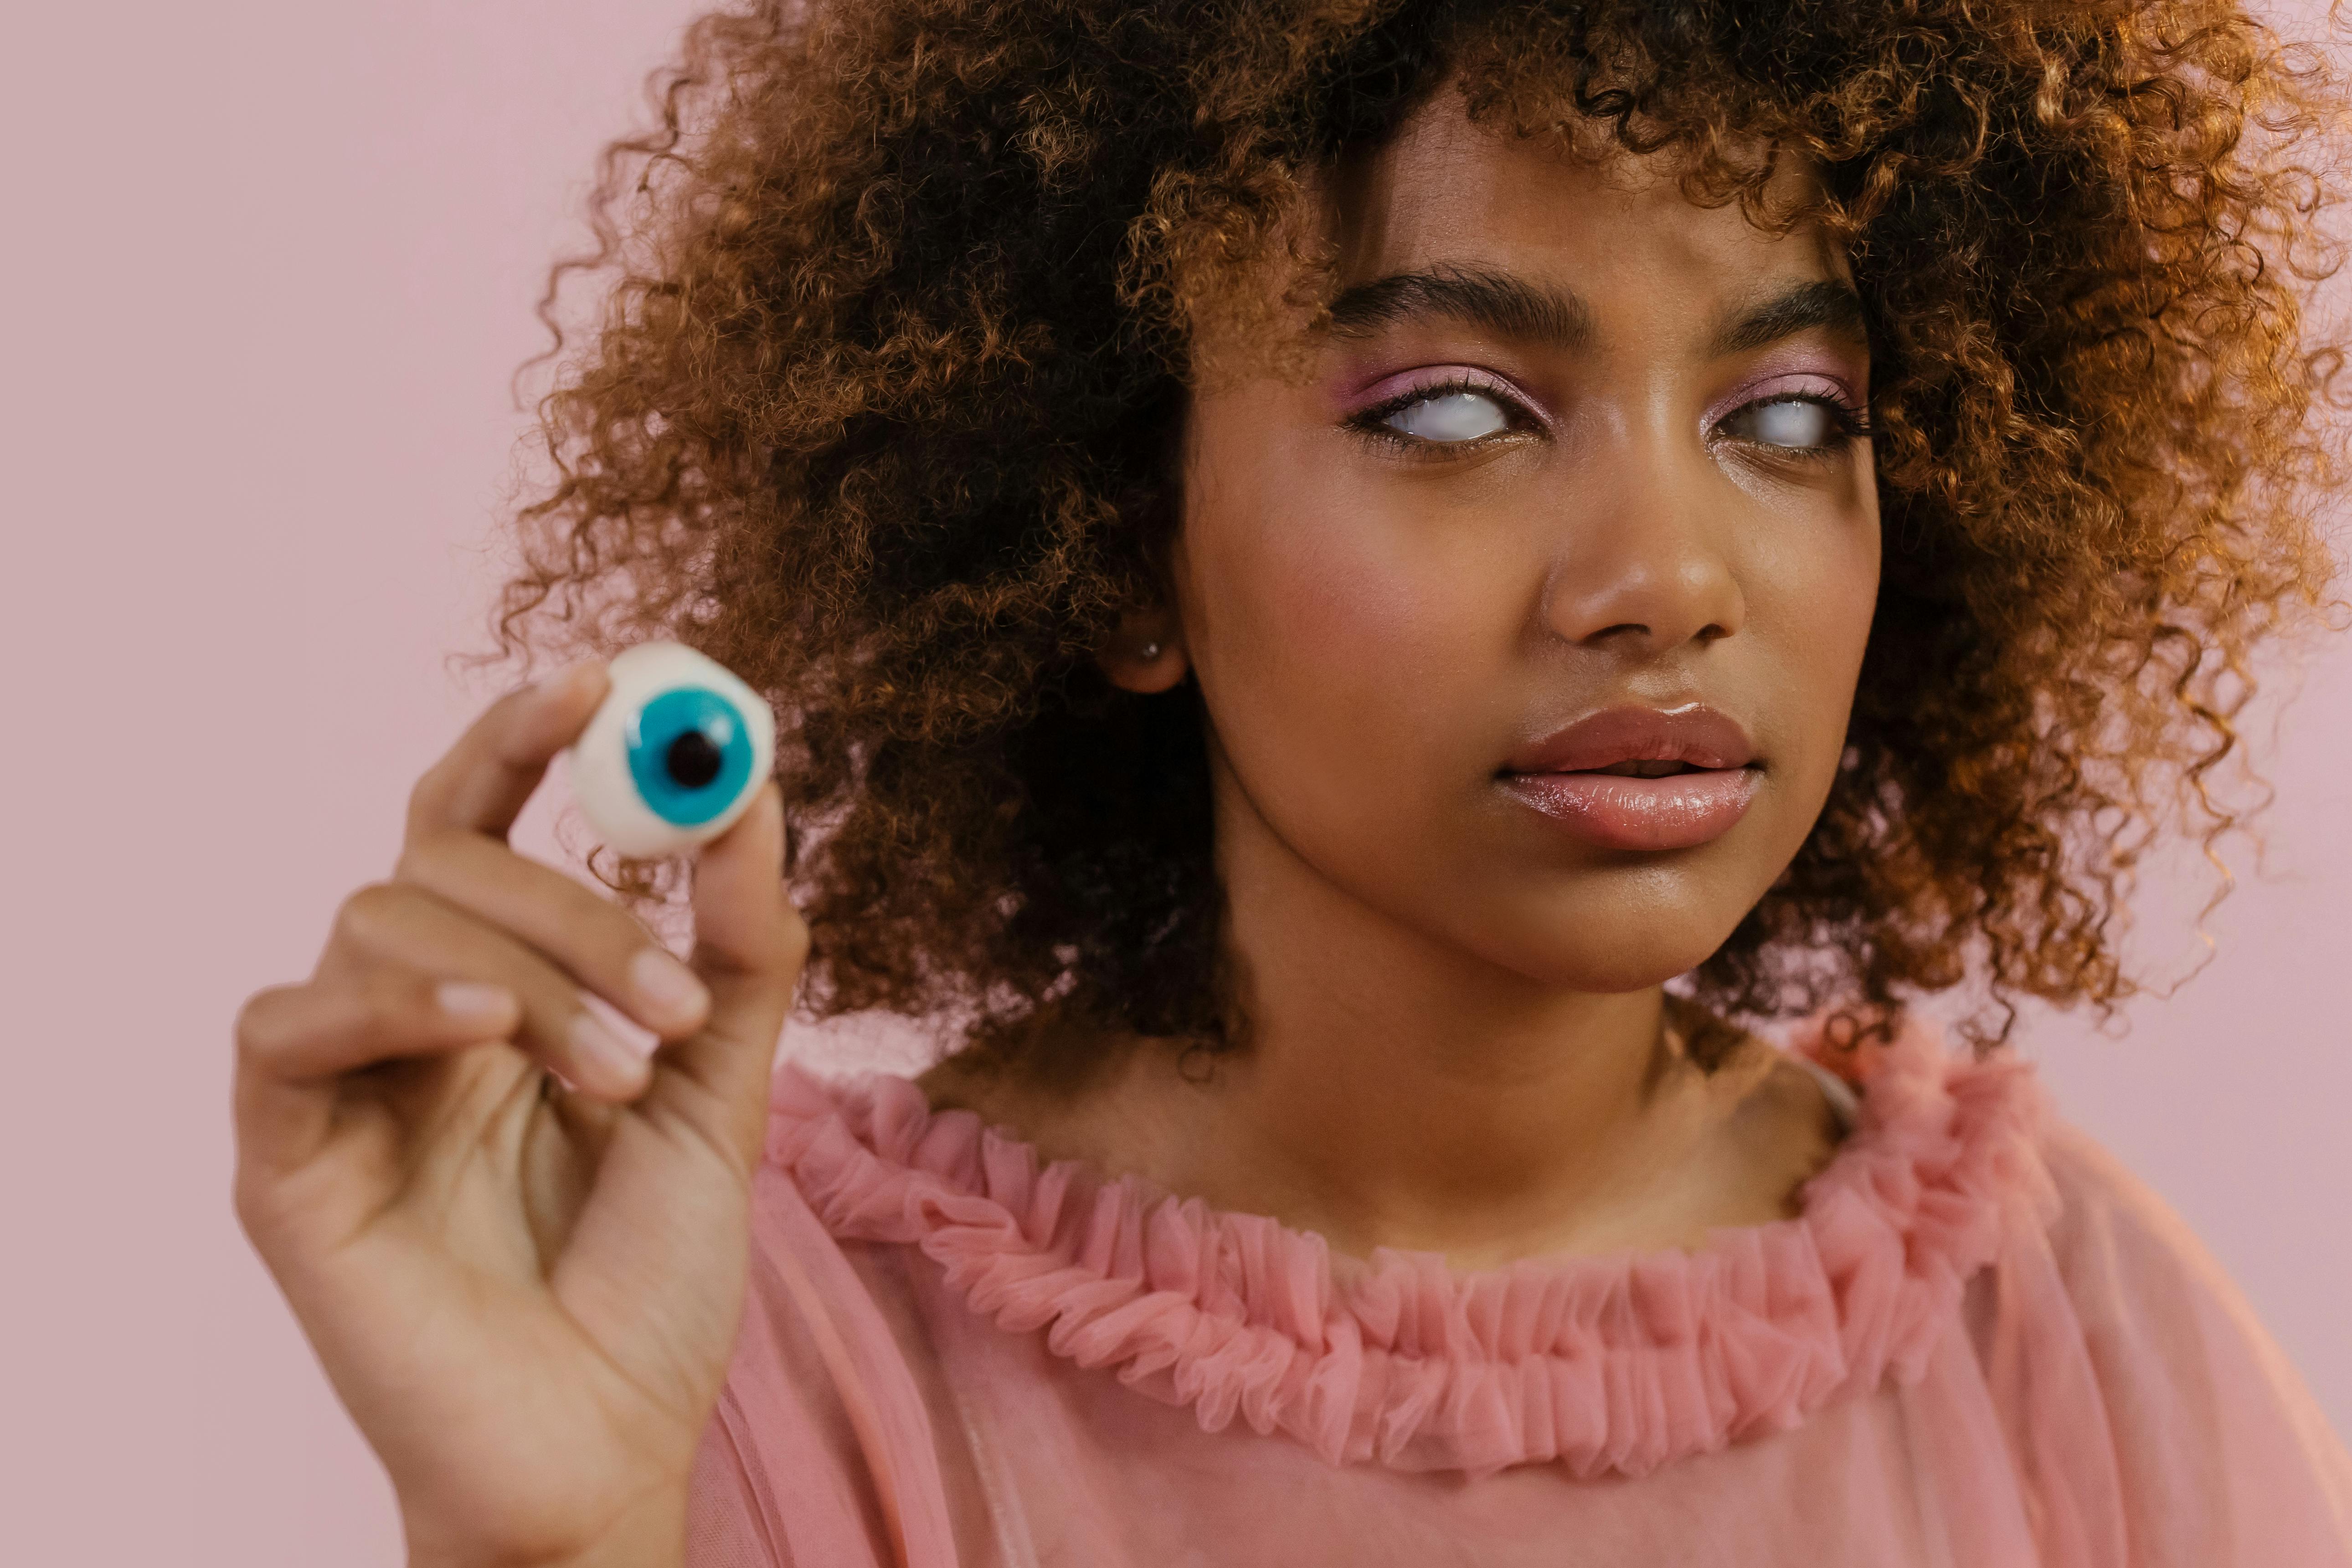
[2119, 1242]
[2117, 1330]
[2138, 1274]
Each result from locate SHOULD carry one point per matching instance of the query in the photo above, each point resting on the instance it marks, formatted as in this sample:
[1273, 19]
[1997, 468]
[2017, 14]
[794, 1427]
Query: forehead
[1446, 190]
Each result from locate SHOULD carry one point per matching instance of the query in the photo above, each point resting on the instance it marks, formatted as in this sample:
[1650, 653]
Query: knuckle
[382, 1007]
[418, 859]
[426, 789]
[368, 914]
[260, 1209]
[417, 818]
[259, 1029]
[245, 1201]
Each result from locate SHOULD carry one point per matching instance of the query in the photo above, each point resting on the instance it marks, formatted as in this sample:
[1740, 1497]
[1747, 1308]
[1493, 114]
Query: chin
[1620, 945]
[1631, 972]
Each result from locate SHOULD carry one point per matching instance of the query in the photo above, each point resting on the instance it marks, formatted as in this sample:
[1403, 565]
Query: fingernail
[598, 1044]
[667, 986]
[472, 1002]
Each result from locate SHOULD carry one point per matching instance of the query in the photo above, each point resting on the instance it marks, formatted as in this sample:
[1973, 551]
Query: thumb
[750, 944]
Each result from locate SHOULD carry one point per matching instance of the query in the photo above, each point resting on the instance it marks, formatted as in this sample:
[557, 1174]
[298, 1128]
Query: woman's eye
[674, 755]
[1805, 421]
[1449, 416]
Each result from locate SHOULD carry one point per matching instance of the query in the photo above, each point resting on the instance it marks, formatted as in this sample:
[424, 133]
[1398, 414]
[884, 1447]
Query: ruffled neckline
[1616, 1362]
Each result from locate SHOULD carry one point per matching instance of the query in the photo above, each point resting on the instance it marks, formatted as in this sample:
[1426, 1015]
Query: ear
[1145, 654]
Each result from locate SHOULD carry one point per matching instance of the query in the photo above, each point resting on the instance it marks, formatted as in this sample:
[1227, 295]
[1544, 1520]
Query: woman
[1314, 560]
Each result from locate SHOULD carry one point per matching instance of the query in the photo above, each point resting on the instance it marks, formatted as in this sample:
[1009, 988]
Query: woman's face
[1531, 618]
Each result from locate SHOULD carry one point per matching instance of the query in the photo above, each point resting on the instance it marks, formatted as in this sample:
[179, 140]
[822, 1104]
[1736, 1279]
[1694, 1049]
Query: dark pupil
[692, 760]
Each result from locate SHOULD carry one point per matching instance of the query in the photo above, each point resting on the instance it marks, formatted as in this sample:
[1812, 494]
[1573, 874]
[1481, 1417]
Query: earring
[1150, 650]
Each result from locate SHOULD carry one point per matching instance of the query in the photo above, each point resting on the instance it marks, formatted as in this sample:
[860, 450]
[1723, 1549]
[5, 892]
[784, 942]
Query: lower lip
[1613, 811]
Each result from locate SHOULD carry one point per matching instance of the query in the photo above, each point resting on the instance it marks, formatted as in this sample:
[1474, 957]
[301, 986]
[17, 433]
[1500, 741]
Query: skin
[1461, 1038]
[525, 1294]
[525, 1288]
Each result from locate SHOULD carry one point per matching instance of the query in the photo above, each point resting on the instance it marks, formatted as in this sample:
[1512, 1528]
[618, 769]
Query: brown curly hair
[880, 412]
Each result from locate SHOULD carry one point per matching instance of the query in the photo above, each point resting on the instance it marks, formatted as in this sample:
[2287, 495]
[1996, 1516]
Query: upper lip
[1692, 733]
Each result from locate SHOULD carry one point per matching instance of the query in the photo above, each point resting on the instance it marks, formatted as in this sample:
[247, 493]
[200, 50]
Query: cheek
[1816, 600]
[1333, 638]
[1849, 603]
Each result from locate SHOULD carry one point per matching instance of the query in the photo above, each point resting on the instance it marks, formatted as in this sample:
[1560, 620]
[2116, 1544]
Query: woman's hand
[526, 1294]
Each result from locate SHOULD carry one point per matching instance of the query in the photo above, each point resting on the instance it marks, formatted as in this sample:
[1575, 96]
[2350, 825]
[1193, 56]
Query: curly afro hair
[880, 412]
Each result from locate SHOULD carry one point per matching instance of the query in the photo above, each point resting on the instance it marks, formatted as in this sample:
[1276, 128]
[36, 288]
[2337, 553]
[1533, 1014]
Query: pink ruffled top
[956, 1352]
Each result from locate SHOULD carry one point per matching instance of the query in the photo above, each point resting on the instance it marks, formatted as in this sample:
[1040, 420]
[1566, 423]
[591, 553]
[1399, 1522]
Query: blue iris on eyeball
[677, 751]
[690, 754]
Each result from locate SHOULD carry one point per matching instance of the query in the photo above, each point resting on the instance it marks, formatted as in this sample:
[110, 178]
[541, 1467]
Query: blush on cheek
[1331, 609]
[1813, 623]
[1338, 612]
[1294, 570]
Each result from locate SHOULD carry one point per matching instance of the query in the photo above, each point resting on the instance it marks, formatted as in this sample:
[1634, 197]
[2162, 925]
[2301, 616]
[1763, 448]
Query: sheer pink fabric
[1980, 1343]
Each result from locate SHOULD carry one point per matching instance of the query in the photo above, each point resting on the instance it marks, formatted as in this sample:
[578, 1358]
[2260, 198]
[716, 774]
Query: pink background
[270, 268]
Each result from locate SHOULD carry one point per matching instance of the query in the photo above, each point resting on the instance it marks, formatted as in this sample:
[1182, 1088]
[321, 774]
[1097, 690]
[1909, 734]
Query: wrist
[648, 1538]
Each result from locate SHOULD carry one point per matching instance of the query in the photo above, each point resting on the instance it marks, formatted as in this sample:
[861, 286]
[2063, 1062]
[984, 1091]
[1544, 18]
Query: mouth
[1633, 770]
[1639, 778]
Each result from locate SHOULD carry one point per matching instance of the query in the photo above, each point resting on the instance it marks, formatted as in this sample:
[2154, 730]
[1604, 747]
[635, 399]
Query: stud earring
[1150, 650]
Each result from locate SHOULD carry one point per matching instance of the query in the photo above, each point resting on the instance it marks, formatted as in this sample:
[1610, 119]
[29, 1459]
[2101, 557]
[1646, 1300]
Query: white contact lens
[1794, 422]
[1456, 416]
[675, 755]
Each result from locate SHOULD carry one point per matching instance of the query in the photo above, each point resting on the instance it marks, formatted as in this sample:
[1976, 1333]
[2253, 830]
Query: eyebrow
[1510, 306]
[1502, 303]
[1827, 303]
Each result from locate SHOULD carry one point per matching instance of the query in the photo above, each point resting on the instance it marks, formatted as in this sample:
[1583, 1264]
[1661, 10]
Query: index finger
[482, 783]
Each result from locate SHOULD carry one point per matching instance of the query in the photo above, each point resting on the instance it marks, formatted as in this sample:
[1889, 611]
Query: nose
[1641, 561]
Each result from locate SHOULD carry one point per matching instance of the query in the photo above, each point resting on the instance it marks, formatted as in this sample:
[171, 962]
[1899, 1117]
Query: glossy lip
[1558, 776]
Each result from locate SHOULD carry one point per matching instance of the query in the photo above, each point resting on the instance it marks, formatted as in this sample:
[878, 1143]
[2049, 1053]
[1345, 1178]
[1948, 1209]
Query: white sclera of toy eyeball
[601, 784]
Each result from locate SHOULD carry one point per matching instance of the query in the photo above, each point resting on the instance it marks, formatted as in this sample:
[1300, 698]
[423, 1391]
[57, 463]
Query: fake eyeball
[675, 755]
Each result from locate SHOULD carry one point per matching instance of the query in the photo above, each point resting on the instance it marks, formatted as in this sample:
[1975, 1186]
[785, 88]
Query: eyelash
[1847, 427]
[1370, 422]
[1851, 425]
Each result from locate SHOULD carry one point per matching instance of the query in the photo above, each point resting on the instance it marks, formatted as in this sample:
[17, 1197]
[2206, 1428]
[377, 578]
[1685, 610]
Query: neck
[1400, 1092]
[1396, 1091]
